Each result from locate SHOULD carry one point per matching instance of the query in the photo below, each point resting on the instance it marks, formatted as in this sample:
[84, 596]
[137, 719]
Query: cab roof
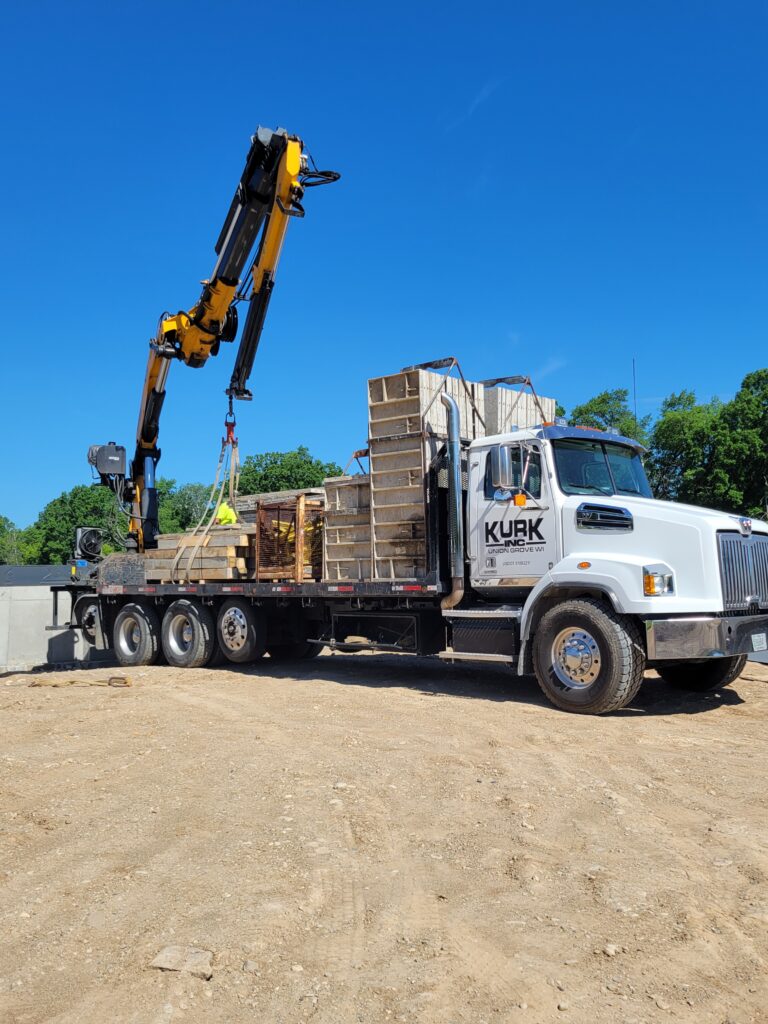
[553, 432]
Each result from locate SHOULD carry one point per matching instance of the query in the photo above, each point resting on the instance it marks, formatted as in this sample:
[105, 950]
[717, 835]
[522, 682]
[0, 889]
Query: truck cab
[562, 528]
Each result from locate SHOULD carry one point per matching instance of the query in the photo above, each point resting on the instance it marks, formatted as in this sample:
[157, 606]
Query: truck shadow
[472, 682]
[658, 698]
[432, 677]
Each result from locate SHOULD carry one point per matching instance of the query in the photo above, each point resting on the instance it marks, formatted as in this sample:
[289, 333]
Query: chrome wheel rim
[129, 636]
[233, 629]
[180, 635]
[576, 659]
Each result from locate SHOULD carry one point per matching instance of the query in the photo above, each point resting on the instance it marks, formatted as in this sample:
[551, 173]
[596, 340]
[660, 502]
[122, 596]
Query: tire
[700, 676]
[188, 634]
[217, 656]
[136, 635]
[241, 631]
[611, 662]
[86, 615]
[300, 651]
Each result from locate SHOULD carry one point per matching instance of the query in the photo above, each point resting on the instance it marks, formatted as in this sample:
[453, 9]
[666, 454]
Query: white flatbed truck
[545, 550]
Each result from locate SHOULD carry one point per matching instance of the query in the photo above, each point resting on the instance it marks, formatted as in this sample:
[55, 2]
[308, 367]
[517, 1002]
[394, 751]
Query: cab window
[526, 474]
[599, 467]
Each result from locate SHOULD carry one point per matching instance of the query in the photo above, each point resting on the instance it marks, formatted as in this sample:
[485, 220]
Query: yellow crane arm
[268, 194]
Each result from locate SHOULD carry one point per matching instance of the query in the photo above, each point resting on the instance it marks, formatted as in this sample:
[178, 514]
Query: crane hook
[229, 426]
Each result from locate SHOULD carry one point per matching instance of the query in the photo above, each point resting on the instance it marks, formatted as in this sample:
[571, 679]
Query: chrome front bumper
[705, 636]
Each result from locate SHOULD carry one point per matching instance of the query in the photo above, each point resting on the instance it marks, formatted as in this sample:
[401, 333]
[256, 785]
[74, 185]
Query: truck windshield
[599, 467]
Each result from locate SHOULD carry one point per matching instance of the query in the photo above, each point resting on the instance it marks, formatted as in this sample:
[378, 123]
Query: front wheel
[587, 658]
[700, 676]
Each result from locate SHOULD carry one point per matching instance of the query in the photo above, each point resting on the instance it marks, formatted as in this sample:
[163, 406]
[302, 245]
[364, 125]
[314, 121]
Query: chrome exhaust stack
[455, 504]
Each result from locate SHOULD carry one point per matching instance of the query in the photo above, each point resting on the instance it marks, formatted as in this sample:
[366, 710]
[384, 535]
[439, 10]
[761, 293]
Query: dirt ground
[372, 839]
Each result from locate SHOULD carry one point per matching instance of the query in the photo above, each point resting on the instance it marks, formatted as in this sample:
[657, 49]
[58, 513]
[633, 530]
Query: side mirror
[501, 467]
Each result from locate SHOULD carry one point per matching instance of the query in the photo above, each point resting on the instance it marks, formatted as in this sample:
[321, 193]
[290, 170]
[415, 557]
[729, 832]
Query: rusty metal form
[281, 551]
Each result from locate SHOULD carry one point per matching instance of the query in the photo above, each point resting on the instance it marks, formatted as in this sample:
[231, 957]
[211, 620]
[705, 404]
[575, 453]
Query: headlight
[656, 581]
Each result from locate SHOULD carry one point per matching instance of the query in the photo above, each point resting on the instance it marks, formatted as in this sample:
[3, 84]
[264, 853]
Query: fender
[548, 587]
[618, 580]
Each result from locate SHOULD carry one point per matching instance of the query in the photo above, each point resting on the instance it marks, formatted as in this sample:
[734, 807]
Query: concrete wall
[24, 641]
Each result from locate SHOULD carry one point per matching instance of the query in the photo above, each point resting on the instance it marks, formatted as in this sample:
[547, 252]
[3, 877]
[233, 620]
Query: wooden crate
[283, 552]
[506, 409]
[407, 426]
[279, 551]
[347, 531]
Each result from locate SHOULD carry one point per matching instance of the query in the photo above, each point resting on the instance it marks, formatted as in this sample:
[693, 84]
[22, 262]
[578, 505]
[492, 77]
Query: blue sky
[543, 188]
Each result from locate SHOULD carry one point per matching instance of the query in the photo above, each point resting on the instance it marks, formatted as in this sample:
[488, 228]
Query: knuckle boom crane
[270, 191]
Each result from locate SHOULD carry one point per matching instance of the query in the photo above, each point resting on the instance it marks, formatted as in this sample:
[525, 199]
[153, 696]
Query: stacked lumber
[224, 553]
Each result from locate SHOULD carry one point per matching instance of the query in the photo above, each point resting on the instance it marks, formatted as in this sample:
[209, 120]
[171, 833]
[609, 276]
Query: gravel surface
[371, 839]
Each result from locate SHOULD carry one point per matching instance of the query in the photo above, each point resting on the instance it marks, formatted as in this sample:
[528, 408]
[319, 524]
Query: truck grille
[743, 571]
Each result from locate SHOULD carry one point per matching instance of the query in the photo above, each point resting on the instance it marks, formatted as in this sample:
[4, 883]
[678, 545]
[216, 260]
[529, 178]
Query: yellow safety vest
[226, 515]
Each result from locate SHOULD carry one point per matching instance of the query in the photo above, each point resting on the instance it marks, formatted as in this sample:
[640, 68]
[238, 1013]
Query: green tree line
[709, 453]
[713, 454]
[50, 538]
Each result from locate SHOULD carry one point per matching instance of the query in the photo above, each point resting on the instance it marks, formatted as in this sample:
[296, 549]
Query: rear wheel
[241, 631]
[188, 634]
[300, 651]
[700, 676]
[217, 656]
[136, 635]
[86, 615]
[587, 658]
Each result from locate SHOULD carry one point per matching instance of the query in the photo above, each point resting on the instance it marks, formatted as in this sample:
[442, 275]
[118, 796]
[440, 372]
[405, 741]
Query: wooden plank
[190, 552]
[248, 502]
[167, 555]
[196, 576]
[256, 549]
[172, 541]
[300, 533]
[182, 568]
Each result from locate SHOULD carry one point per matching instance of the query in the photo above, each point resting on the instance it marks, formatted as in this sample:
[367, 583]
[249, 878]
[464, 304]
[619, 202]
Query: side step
[451, 655]
[500, 611]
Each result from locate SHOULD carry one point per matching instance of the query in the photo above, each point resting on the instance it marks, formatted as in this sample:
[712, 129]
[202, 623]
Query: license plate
[759, 642]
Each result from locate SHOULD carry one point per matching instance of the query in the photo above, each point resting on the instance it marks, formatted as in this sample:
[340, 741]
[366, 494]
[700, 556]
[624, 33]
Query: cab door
[512, 528]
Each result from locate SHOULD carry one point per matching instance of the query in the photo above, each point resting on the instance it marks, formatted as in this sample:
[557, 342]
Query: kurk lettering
[522, 530]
